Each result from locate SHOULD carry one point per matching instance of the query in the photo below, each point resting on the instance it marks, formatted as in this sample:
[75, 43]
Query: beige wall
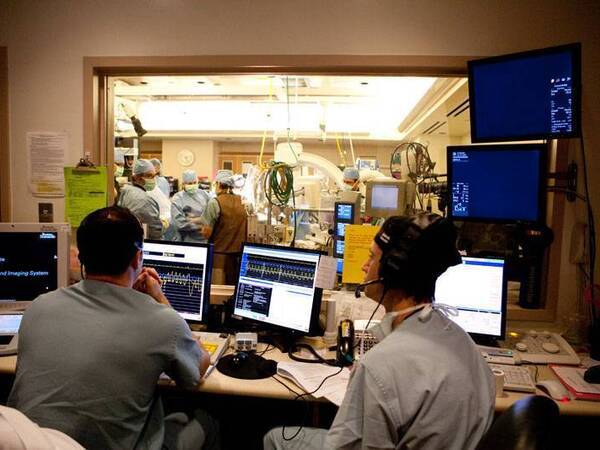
[204, 157]
[47, 42]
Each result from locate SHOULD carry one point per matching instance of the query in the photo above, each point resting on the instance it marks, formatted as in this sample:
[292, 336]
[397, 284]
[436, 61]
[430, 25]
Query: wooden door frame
[96, 71]
[5, 172]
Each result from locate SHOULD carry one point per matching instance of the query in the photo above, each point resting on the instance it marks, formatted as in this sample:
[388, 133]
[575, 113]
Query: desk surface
[217, 383]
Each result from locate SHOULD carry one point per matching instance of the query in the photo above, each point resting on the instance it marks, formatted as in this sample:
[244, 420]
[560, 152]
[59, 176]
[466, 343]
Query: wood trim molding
[5, 175]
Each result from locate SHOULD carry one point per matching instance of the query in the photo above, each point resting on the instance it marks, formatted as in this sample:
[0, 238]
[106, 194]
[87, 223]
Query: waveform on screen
[182, 279]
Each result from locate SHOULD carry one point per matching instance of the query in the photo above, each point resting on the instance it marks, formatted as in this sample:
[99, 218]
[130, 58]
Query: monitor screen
[384, 196]
[10, 323]
[340, 229]
[277, 287]
[525, 96]
[477, 288]
[497, 183]
[34, 260]
[185, 270]
[344, 212]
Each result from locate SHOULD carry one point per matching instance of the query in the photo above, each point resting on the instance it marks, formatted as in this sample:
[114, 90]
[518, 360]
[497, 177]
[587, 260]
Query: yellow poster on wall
[357, 241]
[85, 192]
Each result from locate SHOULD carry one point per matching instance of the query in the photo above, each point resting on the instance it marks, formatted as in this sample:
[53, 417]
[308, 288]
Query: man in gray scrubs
[90, 355]
[425, 384]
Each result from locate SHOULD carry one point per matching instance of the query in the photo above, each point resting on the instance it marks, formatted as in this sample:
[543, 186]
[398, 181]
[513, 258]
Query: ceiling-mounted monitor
[526, 96]
[502, 183]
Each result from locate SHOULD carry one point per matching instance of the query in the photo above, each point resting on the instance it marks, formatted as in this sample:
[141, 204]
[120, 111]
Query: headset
[409, 248]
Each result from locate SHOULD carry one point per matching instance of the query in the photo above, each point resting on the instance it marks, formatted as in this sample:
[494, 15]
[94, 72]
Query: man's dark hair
[416, 251]
[108, 239]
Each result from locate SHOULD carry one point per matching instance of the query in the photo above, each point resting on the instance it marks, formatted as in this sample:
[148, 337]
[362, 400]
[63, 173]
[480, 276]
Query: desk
[217, 383]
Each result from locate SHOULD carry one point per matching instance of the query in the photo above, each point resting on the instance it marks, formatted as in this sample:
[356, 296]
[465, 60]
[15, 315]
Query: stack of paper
[309, 376]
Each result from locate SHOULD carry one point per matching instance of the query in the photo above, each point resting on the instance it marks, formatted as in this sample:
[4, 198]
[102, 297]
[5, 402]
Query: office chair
[529, 424]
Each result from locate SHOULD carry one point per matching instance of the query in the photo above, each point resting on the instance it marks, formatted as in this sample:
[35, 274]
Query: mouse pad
[252, 367]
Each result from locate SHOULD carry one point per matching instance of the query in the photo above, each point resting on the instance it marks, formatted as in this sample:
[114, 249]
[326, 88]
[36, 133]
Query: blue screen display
[344, 212]
[525, 96]
[496, 183]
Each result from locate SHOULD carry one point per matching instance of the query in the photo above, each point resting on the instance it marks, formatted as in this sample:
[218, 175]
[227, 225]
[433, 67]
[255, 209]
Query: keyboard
[516, 378]
[363, 339]
[214, 343]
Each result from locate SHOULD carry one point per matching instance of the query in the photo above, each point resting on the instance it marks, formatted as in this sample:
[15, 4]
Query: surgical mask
[386, 326]
[191, 188]
[119, 171]
[149, 184]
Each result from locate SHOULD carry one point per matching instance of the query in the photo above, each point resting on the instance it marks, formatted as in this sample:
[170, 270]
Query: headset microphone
[362, 286]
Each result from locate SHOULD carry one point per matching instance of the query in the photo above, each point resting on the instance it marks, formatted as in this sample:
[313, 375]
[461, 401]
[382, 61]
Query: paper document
[46, 159]
[326, 272]
[309, 376]
[358, 241]
[86, 192]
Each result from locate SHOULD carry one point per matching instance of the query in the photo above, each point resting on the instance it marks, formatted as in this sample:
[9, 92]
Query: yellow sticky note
[358, 240]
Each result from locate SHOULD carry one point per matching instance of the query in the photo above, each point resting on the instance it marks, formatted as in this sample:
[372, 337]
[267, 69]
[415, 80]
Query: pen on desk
[208, 371]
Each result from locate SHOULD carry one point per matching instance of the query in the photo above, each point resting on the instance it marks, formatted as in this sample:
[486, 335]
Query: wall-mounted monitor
[185, 269]
[497, 183]
[526, 96]
[34, 260]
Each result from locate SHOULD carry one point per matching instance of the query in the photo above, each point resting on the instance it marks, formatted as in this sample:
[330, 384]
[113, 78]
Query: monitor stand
[247, 366]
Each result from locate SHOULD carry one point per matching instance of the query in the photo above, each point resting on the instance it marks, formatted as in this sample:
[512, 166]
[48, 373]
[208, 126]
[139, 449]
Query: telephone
[345, 343]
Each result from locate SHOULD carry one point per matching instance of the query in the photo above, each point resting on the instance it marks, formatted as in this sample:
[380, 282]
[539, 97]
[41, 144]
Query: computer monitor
[477, 288]
[386, 198]
[34, 260]
[277, 288]
[346, 213]
[526, 96]
[185, 269]
[497, 183]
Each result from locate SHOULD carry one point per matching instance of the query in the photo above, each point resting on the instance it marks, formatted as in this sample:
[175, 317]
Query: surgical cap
[351, 173]
[142, 166]
[224, 177]
[155, 162]
[189, 176]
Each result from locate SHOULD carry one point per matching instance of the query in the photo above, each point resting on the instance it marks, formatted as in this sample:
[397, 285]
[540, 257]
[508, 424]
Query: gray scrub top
[90, 356]
[424, 386]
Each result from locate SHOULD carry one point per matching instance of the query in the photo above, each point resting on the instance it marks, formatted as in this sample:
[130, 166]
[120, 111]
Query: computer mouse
[554, 389]
[239, 359]
[592, 375]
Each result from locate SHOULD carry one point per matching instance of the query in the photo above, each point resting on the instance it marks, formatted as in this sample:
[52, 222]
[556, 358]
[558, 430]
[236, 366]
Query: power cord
[299, 396]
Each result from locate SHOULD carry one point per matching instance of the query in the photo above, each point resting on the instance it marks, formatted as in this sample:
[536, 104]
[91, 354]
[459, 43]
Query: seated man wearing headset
[425, 384]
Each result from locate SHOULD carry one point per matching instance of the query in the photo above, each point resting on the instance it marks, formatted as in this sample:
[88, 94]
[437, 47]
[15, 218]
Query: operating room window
[227, 165]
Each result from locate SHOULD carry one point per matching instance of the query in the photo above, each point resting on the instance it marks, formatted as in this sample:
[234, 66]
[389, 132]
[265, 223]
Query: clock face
[185, 157]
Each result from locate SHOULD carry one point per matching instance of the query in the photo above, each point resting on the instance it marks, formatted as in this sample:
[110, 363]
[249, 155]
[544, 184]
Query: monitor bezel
[63, 245]
[207, 274]
[479, 337]
[314, 327]
[543, 179]
[401, 200]
[573, 49]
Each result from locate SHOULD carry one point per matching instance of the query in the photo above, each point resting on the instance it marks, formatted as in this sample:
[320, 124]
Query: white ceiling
[312, 107]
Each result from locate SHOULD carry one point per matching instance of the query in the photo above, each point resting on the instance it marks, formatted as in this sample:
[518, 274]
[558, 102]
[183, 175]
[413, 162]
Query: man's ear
[137, 260]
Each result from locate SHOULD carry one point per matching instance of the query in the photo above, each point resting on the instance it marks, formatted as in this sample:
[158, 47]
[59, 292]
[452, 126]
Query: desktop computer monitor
[503, 183]
[386, 198]
[477, 288]
[185, 269]
[34, 260]
[526, 96]
[277, 288]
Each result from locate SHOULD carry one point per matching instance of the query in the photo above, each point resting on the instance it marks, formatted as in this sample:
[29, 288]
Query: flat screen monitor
[34, 260]
[277, 287]
[185, 270]
[385, 198]
[477, 288]
[526, 96]
[497, 183]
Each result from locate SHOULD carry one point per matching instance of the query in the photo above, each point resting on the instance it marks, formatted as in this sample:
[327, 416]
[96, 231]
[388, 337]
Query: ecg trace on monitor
[279, 270]
[277, 286]
[183, 271]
